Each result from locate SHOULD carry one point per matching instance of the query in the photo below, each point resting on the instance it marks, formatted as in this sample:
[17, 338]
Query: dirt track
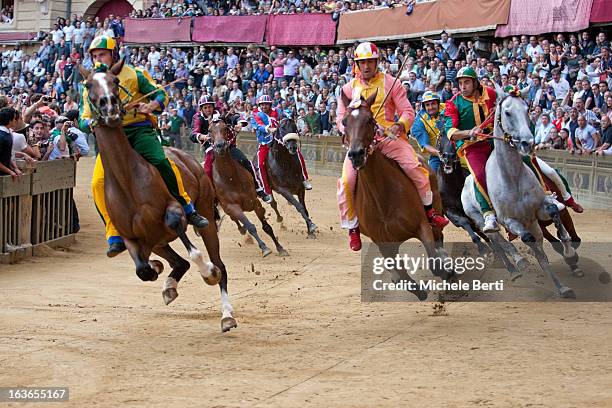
[75, 318]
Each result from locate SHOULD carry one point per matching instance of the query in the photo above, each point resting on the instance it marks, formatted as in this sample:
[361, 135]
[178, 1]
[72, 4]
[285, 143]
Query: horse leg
[261, 214]
[210, 273]
[211, 241]
[501, 249]
[274, 205]
[461, 221]
[145, 270]
[535, 234]
[568, 223]
[238, 215]
[241, 228]
[426, 236]
[390, 251]
[312, 228]
[569, 254]
[301, 209]
[179, 267]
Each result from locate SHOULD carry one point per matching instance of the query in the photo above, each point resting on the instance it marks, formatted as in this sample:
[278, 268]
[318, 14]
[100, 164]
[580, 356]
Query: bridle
[379, 132]
[97, 113]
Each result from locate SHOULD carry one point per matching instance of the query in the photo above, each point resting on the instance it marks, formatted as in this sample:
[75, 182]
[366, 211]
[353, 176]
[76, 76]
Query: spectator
[586, 137]
[606, 138]
[312, 121]
[542, 133]
[8, 121]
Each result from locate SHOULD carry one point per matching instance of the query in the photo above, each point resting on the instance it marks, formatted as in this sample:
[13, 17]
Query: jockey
[468, 113]
[139, 129]
[265, 121]
[199, 134]
[426, 130]
[369, 80]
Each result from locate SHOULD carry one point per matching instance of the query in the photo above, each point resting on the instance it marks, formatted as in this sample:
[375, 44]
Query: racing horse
[515, 192]
[235, 189]
[386, 202]
[147, 217]
[285, 172]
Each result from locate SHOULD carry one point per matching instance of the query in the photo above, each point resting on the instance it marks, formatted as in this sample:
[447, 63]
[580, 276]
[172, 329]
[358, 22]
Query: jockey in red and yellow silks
[369, 81]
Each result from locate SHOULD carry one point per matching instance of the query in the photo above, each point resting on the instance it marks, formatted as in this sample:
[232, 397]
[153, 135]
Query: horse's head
[448, 153]
[221, 133]
[359, 128]
[289, 134]
[512, 120]
[103, 94]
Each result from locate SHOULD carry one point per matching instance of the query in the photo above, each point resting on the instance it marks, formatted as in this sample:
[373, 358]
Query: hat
[61, 119]
[365, 50]
[467, 72]
[430, 96]
[405, 82]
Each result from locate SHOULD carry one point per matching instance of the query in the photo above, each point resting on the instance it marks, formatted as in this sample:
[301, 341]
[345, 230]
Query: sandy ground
[75, 318]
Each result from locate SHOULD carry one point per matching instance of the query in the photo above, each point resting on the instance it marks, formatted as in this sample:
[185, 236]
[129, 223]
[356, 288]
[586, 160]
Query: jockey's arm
[451, 122]
[419, 132]
[340, 112]
[85, 116]
[158, 99]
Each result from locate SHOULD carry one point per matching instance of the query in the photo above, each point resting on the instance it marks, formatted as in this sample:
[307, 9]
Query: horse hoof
[157, 266]
[421, 294]
[215, 275]
[577, 273]
[265, 252]
[147, 274]
[228, 323]
[283, 252]
[522, 264]
[311, 235]
[169, 295]
[514, 276]
[567, 293]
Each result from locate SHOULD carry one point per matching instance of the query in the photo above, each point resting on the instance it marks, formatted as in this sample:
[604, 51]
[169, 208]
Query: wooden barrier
[589, 177]
[36, 209]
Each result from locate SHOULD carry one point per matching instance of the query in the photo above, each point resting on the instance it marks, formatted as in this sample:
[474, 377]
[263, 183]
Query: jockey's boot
[261, 193]
[355, 239]
[490, 223]
[115, 247]
[197, 220]
[307, 185]
[574, 205]
[435, 219]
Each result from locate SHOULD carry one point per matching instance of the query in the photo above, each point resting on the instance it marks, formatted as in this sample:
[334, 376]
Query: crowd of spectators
[565, 79]
[189, 8]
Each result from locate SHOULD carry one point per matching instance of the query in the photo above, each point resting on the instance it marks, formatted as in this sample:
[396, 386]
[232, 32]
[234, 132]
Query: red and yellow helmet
[365, 50]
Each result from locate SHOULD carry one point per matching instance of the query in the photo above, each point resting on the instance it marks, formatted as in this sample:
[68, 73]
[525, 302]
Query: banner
[453, 16]
[230, 29]
[601, 12]
[301, 29]
[531, 17]
[157, 30]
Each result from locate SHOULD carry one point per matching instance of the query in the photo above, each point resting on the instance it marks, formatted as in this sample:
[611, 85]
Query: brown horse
[386, 202]
[285, 173]
[236, 190]
[147, 217]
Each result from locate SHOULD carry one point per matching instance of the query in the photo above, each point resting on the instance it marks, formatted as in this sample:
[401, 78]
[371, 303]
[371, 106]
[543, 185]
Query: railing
[589, 177]
[36, 209]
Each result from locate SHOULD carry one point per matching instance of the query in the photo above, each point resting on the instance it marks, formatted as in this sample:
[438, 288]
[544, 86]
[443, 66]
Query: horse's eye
[116, 81]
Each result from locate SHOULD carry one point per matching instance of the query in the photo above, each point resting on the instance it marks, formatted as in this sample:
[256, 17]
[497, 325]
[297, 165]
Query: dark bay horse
[386, 202]
[285, 172]
[235, 188]
[147, 217]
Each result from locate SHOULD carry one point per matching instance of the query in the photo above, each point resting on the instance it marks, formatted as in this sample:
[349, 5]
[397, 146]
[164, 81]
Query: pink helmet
[205, 99]
[264, 99]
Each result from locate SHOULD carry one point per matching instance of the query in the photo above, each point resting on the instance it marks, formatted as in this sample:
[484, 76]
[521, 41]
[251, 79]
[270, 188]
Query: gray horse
[515, 192]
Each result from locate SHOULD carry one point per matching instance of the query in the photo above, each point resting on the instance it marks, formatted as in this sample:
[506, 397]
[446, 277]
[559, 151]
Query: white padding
[291, 136]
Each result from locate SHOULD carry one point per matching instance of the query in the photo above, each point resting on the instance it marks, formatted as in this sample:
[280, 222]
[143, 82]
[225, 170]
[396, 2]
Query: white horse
[515, 192]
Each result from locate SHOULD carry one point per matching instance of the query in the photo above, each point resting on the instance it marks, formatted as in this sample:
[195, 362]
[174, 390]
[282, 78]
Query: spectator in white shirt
[68, 34]
[586, 136]
[154, 56]
[57, 34]
[542, 132]
[559, 85]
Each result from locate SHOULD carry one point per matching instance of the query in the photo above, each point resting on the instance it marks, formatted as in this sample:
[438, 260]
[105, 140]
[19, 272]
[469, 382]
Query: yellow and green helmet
[104, 42]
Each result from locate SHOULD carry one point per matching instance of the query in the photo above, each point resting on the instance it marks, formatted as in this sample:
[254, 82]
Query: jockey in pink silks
[369, 80]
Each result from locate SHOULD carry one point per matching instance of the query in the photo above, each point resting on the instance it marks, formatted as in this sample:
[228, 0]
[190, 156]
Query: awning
[452, 16]
[533, 17]
[301, 29]
[230, 29]
[157, 30]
